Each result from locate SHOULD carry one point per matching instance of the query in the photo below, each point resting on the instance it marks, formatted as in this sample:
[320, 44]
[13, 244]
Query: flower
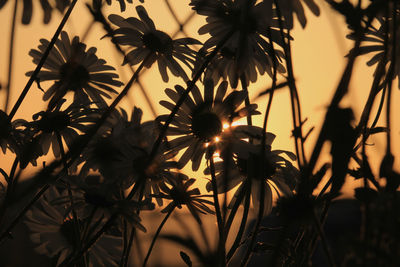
[180, 195]
[97, 4]
[7, 133]
[153, 45]
[73, 68]
[65, 123]
[374, 41]
[18, 137]
[94, 199]
[249, 47]
[290, 7]
[53, 230]
[123, 156]
[201, 119]
[247, 168]
[48, 8]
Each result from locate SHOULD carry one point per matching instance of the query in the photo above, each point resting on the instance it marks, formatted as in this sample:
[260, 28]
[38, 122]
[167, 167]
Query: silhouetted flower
[97, 3]
[53, 232]
[94, 200]
[180, 195]
[374, 42]
[18, 137]
[201, 119]
[290, 7]
[247, 167]
[46, 6]
[249, 48]
[123, 156]
[73, 68]
[67, 123]
[7, 133]
[153, 45]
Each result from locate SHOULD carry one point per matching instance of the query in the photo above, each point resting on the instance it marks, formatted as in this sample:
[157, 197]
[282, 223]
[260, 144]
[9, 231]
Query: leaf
[185, 257]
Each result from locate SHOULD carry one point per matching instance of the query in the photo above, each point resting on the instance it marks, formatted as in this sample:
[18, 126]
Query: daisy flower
[290, 7]
[94, 200]
[249, 48]
[46, 5]
[18, 137]
[180, 194]
[146, 42]
[224, 65]
[53, 231]
[201, 119]
[122, 157]
[8, 133]
[73, 68]
[374, 43]
[67, 123]
[245, 162]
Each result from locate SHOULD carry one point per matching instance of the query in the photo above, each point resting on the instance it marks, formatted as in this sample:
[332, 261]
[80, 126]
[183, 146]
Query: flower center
[54, 121]
[226, 52]
[180, 196]
[247, 25]
[5, 125]
[206, 125]
[106, 152]
[67, 230]
[255, 168]
[97, 200]
[74, 75]
[158, 41]
[146, 170]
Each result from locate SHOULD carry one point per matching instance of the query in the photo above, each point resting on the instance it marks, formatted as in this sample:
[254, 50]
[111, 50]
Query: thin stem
[247, 99]
[221, 242]
[297, 125]
[42, 60]
[70, 196]
[156, 235]
[325, 245]
[391, 77]
[10, 187]
[125, 256]
[242, 227]
[257, 226]
[11, 55]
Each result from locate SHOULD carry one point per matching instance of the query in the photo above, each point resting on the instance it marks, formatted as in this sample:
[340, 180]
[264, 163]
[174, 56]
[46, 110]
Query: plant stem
[10, 188]
[11, 55]
[125, 256]
[70, 196]
[323, 240]
[257, 226]
[42, 60]
[242, 227]
[156, 235]
[220, 222]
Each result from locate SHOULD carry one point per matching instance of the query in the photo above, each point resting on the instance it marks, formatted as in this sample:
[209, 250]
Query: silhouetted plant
[85, 204]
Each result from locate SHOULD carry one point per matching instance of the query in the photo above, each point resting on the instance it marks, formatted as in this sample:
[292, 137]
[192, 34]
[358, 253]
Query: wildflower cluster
[109, 167]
